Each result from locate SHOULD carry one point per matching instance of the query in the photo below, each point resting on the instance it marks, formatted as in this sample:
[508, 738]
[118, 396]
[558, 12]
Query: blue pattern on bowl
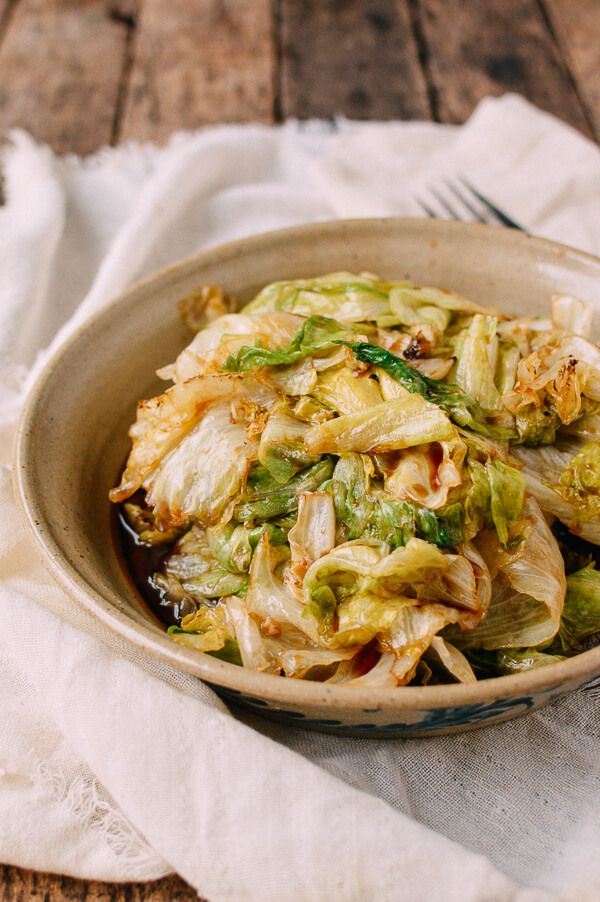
[427, 720]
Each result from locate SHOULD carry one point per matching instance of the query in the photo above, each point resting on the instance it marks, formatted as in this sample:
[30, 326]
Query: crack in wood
[126, 13]
[276, 24]
[563, 54]
[423, 52]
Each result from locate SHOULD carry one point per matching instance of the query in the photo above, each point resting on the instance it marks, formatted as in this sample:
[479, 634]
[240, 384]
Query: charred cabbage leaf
[460, 407]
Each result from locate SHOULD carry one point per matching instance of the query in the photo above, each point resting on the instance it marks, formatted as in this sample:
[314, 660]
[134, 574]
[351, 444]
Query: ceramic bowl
[73, 440]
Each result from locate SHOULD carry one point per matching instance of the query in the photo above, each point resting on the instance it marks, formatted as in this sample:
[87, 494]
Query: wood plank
[576, 25]
[5, 7]
[474, 49]
[357, 58]
[60, 67]
[198, 63]
[17, 885]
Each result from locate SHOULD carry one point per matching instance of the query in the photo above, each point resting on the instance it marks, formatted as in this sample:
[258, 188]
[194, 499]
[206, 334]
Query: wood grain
[17, 885]
[198, 63]
[576, 25]
[5, 7]
[352, 57]
[60, 67]
[475, 49]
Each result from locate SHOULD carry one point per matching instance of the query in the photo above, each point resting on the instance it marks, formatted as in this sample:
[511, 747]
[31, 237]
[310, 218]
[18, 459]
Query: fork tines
[459, 199]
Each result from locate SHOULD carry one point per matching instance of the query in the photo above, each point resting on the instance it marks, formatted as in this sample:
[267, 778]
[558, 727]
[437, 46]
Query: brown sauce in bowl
[140, 561]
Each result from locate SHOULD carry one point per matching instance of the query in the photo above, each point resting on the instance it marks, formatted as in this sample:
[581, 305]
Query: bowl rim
[280, 691]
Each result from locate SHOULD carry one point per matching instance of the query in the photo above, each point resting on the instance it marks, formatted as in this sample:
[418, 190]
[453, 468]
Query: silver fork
[459, 199]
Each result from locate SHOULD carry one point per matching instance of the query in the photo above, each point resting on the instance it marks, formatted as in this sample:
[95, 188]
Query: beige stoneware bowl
[73, 441]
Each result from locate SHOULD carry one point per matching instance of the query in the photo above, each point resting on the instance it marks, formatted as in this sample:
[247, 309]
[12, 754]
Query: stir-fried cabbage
[223, 337]
[354, 480]
[562, 480]
[189, 485]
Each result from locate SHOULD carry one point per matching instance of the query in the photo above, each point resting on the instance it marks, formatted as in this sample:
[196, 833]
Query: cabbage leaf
[388, 426]
[462, 409]
[342, 295]
[477, 361]
[163, 422]
[579, 482]
[428, 473]
[281, 450]
[543, 470]
[347, 392]
[213, 344]
[496, 497]
[581, 614]
[528, 588]
[361, 513]
[316, 335]
[188, 484]
[264, 498]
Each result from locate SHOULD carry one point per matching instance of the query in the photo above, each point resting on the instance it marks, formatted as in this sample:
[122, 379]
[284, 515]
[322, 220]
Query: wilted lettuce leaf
[225, 335]
[352, 298]
[263, 647]
[207, 629]
[555, 385]
[543, 470]
[528, 588]
[295, 380]
[264, 498]
[215, 583]
[579, 483]
[361, 514]
[506, 367]
[462, 409]
[438, 297]
[230, 652]
[164, 421]
[517, 660]
[316, 335]
[388, 426]
[496, 496]
[142, 522]
[537, 425]
[346, 392]
[409, 308]
[230, 545]
[360, 591]
[343, 295]
[187, 484]
[581, 613]
[477, 362]
[412, 634]
[452, 660]
[426, 474]
[313, 534]
[362, 569]
[268, 597]
[281, 450]
[208, 563]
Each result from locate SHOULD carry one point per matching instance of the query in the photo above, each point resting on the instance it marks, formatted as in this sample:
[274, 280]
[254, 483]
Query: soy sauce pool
[140, 561]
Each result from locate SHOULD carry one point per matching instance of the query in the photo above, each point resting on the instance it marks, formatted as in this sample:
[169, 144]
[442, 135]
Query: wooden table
[80, 74]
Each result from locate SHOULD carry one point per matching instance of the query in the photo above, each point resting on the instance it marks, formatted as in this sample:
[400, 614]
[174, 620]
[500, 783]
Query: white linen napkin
[115, 767]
